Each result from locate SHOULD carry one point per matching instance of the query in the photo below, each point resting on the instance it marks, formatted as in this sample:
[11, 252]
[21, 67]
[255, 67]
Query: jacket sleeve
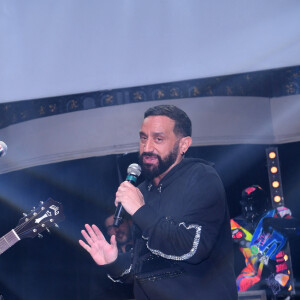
[190, 235]
[121, 269]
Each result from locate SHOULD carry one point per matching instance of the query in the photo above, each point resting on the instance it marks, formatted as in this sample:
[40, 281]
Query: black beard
[149, 171]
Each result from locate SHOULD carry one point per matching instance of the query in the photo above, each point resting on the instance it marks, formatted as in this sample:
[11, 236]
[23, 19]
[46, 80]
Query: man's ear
[184, 144]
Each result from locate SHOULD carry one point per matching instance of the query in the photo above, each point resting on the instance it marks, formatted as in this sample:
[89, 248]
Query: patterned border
[270, 83]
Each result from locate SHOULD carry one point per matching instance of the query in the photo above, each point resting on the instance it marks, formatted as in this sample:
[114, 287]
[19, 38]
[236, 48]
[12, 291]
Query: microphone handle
[117, 217]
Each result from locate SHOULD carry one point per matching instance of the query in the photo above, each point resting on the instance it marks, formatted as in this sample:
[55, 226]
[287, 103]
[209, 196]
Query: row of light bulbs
[275, 181]
[274, 170]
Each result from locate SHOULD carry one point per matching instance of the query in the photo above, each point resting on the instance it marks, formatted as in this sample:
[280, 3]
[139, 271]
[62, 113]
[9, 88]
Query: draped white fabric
[109, 130]
[65, 47]
[50, 48]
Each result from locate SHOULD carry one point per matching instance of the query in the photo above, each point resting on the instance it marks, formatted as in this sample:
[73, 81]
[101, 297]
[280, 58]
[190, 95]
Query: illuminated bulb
[274, 170]
[290, 287]
[275, 184]
[289, 272]
[285, 257]
[277, 199]
[272, 155]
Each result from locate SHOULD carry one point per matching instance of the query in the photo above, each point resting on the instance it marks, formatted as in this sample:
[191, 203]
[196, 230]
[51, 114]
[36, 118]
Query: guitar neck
[8, 240]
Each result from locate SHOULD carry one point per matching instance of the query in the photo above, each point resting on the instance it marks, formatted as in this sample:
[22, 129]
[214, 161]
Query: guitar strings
[7, 241]
[13, 236]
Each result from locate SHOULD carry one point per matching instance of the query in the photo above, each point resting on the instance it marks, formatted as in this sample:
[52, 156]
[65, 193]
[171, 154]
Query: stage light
[274, 170]
[274, 176]
[277, 199]
[276, 194]
[275, 184]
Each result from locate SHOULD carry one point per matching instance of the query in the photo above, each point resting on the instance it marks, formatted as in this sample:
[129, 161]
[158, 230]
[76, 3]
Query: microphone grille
[3, 148]
[134, 169]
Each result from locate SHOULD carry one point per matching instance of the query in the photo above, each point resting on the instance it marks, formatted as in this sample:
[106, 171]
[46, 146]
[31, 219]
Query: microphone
[133, 172]
[3, 148]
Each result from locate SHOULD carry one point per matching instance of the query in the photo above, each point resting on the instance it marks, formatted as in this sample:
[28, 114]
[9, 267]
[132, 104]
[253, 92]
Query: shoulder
[202, 172]
[198, 166]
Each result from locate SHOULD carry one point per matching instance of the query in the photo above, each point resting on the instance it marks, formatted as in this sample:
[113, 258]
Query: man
[183, 245]
[123, 233]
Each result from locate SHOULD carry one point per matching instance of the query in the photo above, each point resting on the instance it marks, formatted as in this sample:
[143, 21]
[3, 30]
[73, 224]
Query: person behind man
[123, 233]
[183, 245]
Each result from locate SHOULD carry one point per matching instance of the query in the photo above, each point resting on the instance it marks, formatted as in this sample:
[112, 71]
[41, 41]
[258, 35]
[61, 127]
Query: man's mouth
[119, 236]
[150, 159]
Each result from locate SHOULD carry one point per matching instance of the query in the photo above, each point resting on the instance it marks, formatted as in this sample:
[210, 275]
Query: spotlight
[274, 170]
[275, 184]
[277, 199]
[272, 155]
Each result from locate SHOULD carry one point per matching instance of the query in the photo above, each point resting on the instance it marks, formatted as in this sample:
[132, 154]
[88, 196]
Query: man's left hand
[130, 197]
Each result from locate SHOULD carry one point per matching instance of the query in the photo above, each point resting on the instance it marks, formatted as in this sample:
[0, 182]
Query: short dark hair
[183, 124]
[110, 211]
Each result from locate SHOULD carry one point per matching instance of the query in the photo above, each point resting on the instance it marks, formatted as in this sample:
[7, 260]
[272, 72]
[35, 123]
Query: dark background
[56, 267]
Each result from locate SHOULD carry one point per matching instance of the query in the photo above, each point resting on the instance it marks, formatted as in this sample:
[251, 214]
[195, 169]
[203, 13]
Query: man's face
[159, 146]
[122, 233]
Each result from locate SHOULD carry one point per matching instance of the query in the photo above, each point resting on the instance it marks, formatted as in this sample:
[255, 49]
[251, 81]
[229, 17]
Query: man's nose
[111, 230]
[148, 146]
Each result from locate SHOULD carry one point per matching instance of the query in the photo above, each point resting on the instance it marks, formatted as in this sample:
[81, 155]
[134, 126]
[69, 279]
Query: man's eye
[109, 228]
[159, 139]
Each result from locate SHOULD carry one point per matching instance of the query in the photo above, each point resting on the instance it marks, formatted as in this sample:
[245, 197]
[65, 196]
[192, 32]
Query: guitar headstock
[47, 214]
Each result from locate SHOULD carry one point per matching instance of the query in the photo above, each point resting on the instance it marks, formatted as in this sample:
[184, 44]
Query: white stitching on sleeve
[127, 271]
[187, 255]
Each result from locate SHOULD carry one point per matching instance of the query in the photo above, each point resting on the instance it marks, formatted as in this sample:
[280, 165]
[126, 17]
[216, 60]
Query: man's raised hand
[100, 250]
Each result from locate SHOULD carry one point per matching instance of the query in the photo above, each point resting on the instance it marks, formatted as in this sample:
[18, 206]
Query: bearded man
[183, 245]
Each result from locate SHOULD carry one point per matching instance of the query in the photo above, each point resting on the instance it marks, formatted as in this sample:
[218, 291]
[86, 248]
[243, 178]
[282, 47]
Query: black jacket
[183, 244]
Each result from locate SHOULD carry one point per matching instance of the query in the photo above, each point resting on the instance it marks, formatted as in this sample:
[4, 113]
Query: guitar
[48, 213]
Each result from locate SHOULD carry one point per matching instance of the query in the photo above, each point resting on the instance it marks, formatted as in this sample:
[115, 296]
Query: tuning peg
[48, 229]
[40, 235]
[56, 225]
[24, 214]
[41, 202]
[33, 209]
